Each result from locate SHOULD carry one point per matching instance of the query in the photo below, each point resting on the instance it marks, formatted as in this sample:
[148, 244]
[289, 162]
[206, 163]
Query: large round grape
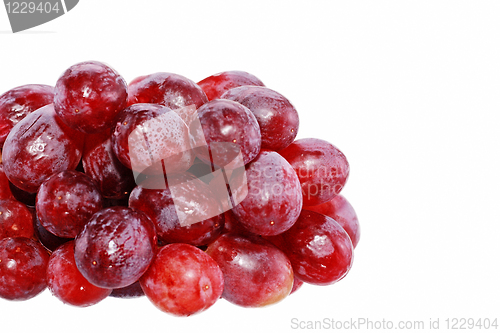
[23, 268]
[18, 102]
[89, 95]
[228, 128]
[39, 146]
[182, 280]
[277, 117]
[322, 168]
[256, 273]
[66, 201]
[67, 283]
[274, 198]
[318, 247]
[115, 247]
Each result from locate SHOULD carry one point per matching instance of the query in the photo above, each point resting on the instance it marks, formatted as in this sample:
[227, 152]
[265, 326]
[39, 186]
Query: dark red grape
[89, 95]
[229, 123]
[277, 117]
[216, 85]
[66, 201]
[16, 219]
[26, 198]
[152, 139]
[5, 192]
[113, 179]
[171, 90]
[341, 211]
[115, 247]
[320, 250]
[198, 207]
[48, 239]
[322, 169]
[39, 146]
[182, 280]
[274, 197]
[132, 291]
[67, 283]
[17, 103]
[255, 272]
[231, 224]
[23, 268]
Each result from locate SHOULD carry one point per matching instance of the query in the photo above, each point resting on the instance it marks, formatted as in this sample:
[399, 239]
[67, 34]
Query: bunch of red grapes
[76, 218]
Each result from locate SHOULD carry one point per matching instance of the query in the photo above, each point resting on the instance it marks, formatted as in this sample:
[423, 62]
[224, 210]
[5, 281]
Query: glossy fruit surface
[319, 249]
[5, 192]
[23, 267]
[152, 139]
[216, 85]
[192, 197]
[224, 121]
[67, 283]
[115, 247]
[39, 146]
[46, 238]
[274, 199]
[183, 280]
[171, 90]
[18, 102]
[66, 201]
[89, 95]
[341, 211]
[322, 169]
[256, 273]
[277, 117]
[100, 163]
[15, 219]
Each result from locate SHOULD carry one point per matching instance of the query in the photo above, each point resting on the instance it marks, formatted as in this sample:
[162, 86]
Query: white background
[408, 90]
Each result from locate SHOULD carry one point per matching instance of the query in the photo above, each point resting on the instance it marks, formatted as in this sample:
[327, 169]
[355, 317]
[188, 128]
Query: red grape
[89, 95]
[66, 201]
[198, 207]
[17, 103]
[67, 283]
[274, 197]
[255, 272]
[320, 250]
[216, 85]
[5, 192]
[277, 117]
[48, 239]
[23, 267]
[113, 179]
[152, 139]
[182, 280]
[322, 169]
[115, 247]
[171, 90]
[341, 211]
[39, 146]
[230, 123]
[16, 219]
